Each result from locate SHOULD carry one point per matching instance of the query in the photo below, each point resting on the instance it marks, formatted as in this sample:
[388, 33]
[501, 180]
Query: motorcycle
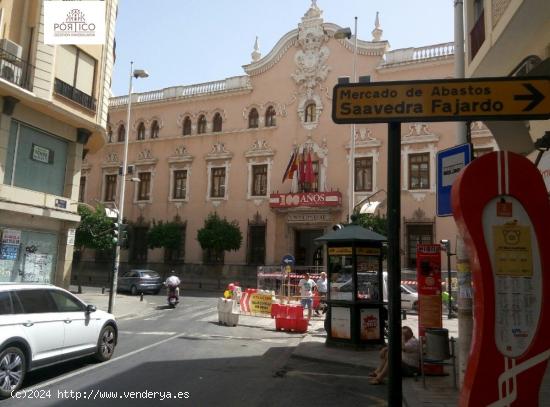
[172, 297]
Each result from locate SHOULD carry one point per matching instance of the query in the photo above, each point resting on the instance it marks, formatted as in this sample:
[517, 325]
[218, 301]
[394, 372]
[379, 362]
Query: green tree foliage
[219, 234]
[94, 230]
[373, 222]
[164, 235]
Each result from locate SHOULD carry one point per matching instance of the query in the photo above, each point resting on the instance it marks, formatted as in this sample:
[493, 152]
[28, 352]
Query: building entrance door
[306, 251]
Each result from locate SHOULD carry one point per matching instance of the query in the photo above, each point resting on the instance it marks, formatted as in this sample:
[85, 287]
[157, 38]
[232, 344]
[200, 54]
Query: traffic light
[115, 230]
[123, 237]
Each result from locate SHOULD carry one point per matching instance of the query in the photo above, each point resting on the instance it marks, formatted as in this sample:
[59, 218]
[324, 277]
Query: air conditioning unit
[11, 48]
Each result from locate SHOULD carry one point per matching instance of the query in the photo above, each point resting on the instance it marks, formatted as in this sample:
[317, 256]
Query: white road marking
[147, 333]
[89, 368]
[345, 376]
[202, 313]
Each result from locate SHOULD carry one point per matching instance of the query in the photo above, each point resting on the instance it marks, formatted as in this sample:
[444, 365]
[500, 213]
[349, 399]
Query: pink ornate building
[224, 147]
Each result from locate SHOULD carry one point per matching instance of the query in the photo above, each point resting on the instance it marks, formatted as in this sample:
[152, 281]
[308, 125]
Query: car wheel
[12, 371]
[133, 290]
[106, 344]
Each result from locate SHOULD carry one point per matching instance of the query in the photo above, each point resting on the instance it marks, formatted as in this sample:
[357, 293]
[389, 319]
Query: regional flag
[294, 166]
[286, 175]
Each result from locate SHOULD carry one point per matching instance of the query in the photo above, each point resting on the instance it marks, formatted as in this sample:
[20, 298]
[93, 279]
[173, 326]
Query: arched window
[270, 117]
[109, 134]
[187, 126]
[155, 129]
[141, 131]
[310, 113]
[253, 119]
[201, 124]
[121, 133]
[217, 123]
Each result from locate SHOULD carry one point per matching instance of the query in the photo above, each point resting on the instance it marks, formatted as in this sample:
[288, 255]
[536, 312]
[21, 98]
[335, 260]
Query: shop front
[27, 255]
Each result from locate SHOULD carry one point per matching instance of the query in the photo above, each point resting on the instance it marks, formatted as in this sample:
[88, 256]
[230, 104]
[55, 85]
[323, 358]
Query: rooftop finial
[377, 32]
[256, 54]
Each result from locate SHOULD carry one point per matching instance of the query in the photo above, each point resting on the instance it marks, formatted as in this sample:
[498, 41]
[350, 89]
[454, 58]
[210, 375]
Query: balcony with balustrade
[419, 54]
[16, 70]
[70, 92]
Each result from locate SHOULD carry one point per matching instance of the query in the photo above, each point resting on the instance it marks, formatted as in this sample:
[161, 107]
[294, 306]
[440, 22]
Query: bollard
[141, 297]
[79, 288]
[102, 290]
[403, 314]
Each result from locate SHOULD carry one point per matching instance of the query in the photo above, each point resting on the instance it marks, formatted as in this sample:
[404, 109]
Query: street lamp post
[134, 73]
[346, 33]
[446, 246]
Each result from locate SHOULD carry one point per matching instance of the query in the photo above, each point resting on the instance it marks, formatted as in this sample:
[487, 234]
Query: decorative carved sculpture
[145, 155]
[312, 57]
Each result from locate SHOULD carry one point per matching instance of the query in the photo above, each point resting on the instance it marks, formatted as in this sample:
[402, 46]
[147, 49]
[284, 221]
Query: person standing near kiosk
[306, 285]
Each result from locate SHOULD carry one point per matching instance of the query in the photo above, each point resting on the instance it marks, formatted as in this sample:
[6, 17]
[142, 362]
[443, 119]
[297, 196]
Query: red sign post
[428, 275]
[501, 206]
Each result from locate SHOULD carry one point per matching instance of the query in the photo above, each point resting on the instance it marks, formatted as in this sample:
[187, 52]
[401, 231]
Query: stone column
[8, 105]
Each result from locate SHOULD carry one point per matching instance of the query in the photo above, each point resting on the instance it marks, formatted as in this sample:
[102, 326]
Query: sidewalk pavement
[439, 391]
[124, 305]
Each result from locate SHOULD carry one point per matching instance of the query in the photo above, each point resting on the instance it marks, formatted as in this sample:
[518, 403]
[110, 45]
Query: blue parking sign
[449, 163]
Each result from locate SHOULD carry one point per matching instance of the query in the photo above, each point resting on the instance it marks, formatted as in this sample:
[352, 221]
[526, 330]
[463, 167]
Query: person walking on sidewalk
[306, 285]
[410, 358]
[322, 290]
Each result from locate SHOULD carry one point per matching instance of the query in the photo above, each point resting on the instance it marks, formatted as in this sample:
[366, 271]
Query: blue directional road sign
[288, 260]
[449, 163]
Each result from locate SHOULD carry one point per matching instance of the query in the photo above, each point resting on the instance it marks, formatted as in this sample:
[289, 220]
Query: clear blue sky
[181, 42]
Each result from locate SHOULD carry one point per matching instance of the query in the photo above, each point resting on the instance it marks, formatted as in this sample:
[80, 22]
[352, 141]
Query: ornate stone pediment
[419, 133]
[145, 155]
[218, 152]
[364, 138]
[180, 155]
[112, 157]
[259, 148]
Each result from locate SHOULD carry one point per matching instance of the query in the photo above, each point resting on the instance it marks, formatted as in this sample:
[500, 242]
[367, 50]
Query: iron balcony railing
[70, 92]
[15, 70]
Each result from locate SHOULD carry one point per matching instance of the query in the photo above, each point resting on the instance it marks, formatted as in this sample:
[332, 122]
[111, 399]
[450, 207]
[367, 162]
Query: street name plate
[442, 100]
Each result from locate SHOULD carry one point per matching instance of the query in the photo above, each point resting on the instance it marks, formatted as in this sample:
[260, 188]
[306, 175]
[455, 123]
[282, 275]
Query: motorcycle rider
[172, 283]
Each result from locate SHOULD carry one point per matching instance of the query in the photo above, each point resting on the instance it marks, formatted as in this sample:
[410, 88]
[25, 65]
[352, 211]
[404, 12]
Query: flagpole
[352, 142]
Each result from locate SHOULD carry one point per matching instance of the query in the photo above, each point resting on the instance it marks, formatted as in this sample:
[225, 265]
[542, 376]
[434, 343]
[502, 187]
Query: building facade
[54, 107]
[510, 38]
[262, 149]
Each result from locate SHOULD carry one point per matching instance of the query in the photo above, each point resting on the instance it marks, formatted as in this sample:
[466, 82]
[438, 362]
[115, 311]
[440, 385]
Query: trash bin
[437, 344]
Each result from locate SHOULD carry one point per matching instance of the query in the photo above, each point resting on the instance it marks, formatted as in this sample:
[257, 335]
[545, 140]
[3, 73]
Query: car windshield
[149, 274]
[409, 288]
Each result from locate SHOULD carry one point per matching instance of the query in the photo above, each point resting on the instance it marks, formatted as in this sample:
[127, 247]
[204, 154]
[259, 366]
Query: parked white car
[41, 325]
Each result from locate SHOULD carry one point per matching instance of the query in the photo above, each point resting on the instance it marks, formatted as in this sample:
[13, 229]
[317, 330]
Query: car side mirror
[90, 308]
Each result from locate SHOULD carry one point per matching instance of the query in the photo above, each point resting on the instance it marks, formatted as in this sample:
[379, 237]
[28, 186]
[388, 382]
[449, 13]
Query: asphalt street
[182, 356]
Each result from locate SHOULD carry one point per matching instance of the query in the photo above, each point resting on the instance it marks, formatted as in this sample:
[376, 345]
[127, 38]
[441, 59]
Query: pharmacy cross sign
[442, 100]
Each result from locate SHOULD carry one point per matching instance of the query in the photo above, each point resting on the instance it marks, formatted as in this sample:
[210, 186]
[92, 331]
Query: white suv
[41, 325]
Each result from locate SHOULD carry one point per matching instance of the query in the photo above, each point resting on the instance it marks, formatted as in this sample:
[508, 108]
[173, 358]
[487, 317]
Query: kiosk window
[368, 287]
[341, 281]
